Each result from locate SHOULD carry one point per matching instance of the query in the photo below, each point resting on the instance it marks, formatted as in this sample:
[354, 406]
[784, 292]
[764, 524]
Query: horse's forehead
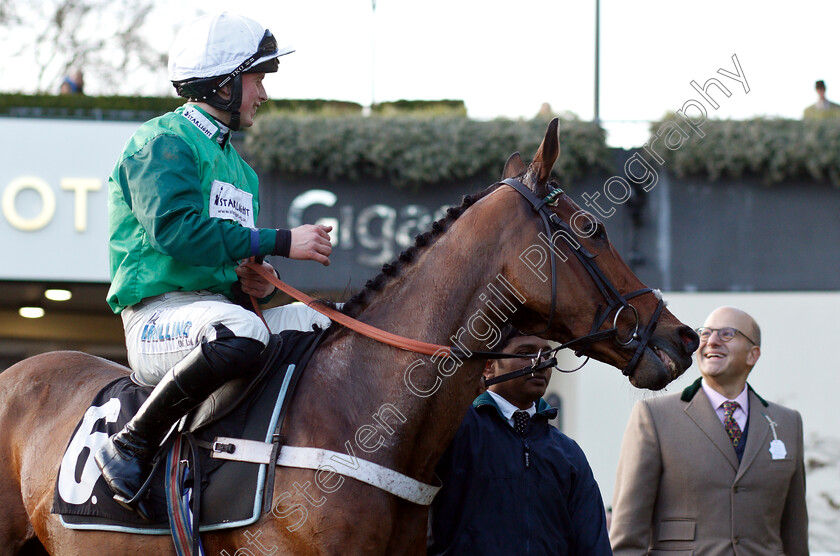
[572, 206]
[566, 198]
[563, 203]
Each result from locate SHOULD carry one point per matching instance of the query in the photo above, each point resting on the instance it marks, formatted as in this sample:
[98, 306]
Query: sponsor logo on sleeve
[231, 203]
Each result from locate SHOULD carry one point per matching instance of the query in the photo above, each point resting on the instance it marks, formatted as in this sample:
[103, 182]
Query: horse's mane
[360, 300]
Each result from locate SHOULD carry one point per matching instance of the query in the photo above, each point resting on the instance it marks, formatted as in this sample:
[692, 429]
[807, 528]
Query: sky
[505, 59]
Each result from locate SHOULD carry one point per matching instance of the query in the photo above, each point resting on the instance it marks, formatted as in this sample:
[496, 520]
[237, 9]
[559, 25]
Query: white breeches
[162, 330]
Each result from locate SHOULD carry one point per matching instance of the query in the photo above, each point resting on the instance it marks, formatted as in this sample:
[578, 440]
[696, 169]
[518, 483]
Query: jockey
[182, 209]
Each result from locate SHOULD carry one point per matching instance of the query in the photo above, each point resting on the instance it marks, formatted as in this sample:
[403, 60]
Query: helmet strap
[234, 103]
[205, 90]
[234, 121]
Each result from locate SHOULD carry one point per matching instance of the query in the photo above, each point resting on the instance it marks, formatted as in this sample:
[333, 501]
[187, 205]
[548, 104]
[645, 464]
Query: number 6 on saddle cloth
[233, 493]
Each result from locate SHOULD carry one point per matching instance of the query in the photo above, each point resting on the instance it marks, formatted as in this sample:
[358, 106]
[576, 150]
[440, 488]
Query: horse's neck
[445, 298]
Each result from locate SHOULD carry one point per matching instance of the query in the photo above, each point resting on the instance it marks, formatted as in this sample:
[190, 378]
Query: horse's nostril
[689, 338]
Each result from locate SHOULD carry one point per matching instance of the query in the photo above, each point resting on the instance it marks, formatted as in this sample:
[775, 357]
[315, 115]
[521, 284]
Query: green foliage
[410, 152]
[428, 142]
[315, 106]
[421, 108]
[86, 107]
[774, 150]
[142, 108]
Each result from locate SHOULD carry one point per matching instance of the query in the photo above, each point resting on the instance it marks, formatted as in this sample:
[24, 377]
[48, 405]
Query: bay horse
[439, 291]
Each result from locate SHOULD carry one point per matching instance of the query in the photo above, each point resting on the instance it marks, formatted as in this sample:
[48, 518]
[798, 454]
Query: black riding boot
[126, 458]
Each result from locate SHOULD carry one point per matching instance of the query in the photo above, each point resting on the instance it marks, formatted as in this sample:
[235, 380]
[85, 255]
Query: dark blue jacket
[510, 496]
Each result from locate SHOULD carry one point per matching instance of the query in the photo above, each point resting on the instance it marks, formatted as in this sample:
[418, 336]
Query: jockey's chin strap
[615, 301]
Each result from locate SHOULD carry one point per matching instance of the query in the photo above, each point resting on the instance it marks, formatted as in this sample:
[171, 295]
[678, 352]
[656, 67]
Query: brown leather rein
[362, 328]
[615, 302]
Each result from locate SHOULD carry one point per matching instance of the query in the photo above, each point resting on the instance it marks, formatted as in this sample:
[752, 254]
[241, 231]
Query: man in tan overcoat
[715, 470]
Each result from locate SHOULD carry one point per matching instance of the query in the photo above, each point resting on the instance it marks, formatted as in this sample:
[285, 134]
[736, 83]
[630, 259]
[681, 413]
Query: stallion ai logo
[79, 492]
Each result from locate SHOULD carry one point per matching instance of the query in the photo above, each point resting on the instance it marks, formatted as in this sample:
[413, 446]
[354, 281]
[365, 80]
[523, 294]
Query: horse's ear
[514, 167]
[546, 155]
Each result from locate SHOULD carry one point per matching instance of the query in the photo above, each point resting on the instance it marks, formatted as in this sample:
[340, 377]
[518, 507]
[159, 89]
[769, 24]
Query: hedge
[142, 108]
[407, 143]
[774, 150]
[412, 151]
[86, 107]
[421, 107]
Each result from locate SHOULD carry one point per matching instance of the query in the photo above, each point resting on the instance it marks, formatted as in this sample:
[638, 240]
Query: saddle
[231, 493]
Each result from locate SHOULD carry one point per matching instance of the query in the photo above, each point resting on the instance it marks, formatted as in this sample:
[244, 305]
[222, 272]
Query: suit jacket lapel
[700, 410]
[758, 436]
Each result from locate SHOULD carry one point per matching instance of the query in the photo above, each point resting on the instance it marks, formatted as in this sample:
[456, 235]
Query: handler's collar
[543, 408]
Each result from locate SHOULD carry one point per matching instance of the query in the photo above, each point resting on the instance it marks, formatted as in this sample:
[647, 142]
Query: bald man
[715, 470]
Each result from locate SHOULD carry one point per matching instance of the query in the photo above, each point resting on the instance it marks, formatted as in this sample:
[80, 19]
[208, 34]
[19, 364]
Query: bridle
[423, 493]
[615, 301]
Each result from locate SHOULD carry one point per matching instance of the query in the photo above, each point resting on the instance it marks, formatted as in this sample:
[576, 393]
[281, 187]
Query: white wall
[53, 197]
[798, 368]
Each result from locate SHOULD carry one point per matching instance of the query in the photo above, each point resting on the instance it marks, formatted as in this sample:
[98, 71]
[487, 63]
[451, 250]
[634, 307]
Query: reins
[383, 336]
[408, 344]
[615, 301]
[362, 328]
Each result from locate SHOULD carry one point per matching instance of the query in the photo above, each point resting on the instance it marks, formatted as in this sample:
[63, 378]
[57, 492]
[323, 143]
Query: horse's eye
[596, 231]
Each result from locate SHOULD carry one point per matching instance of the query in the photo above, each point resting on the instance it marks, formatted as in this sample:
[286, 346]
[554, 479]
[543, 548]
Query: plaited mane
[422, 241]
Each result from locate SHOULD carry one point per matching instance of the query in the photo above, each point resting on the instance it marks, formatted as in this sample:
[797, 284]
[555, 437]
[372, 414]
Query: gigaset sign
[374, 233]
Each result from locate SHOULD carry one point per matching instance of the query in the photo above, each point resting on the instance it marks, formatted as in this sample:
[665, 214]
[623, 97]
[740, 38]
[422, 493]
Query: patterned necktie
[730, 424]
[520, 421]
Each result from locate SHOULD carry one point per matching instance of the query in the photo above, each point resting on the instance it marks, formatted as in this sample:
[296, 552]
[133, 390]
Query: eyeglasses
[725, 334]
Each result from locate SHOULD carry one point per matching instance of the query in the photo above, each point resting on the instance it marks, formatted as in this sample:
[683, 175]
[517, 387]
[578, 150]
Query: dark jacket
[510, 496]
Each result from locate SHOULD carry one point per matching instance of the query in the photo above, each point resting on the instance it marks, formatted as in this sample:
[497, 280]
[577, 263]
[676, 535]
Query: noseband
[615, 301]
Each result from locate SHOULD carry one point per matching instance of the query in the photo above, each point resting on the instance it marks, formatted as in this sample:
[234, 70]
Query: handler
[512, 483]
[182, 209]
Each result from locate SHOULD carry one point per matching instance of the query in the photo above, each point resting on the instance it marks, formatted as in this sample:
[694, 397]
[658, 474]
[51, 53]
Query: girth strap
[317, 458]
[365, 471]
